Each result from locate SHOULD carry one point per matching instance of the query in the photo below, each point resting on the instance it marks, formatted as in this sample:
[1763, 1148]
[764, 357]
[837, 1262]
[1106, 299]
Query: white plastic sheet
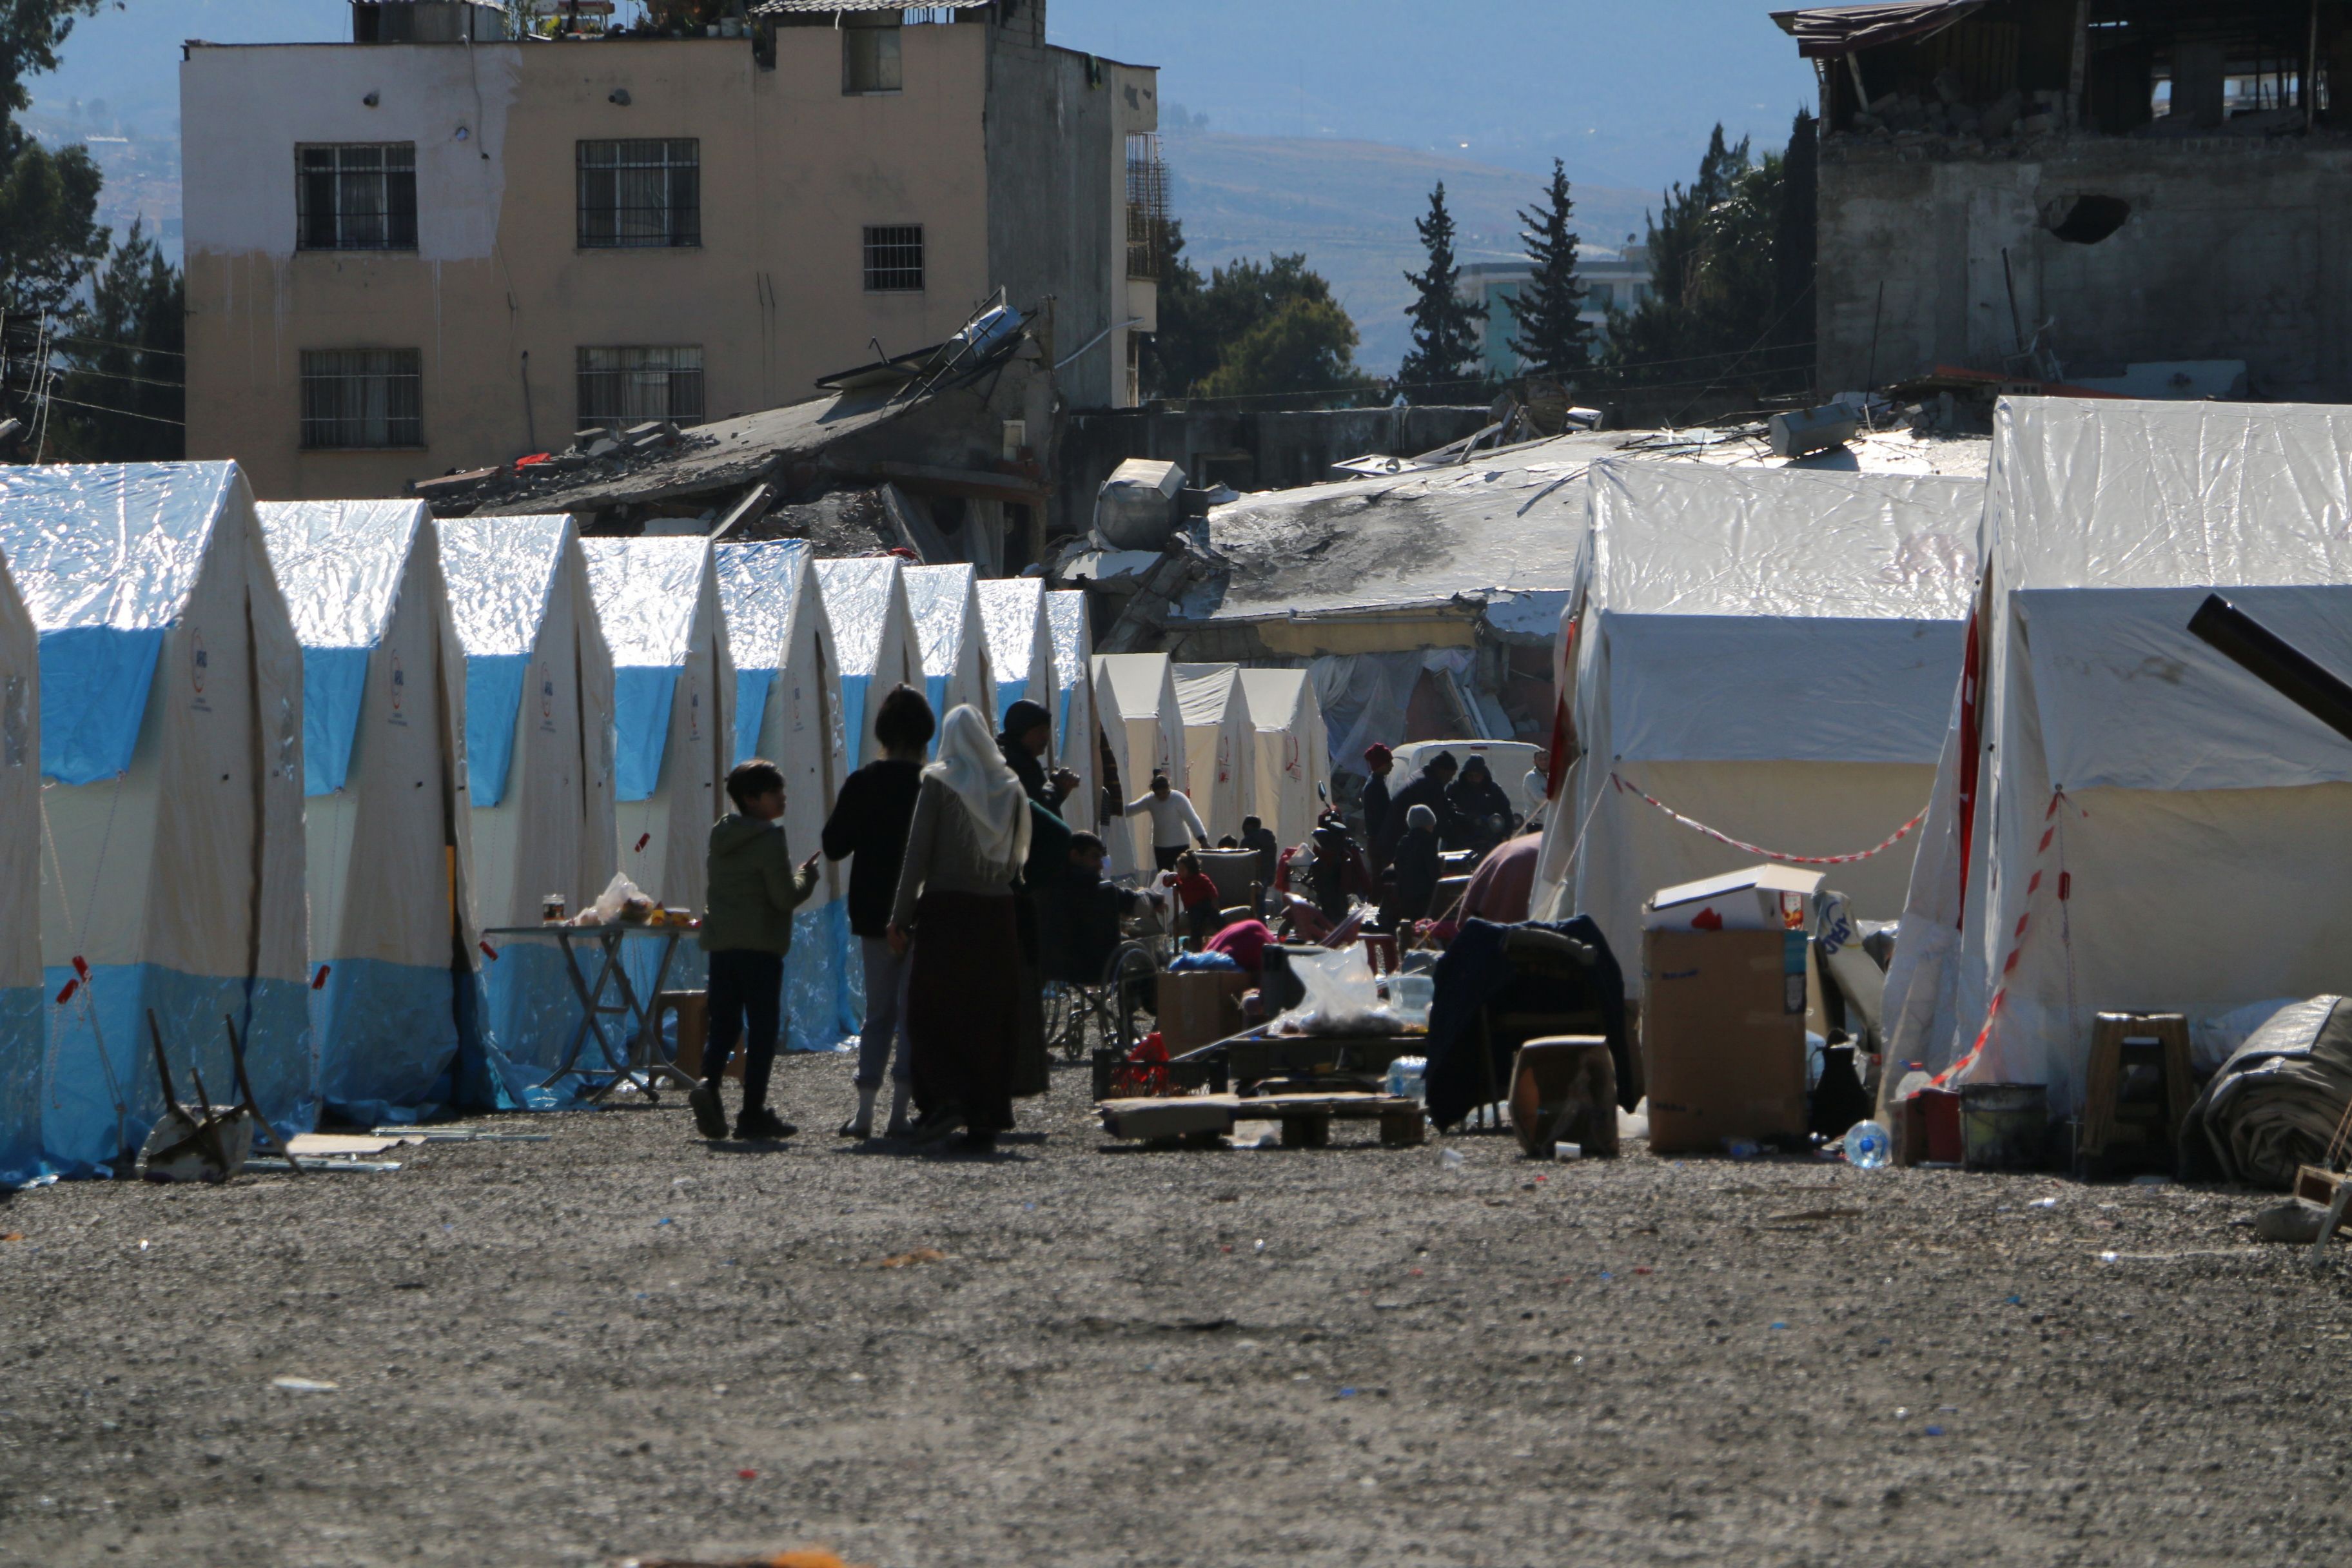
[945, 604]
[2204, 829]
[1075, 741]
[1020, 642]
[865, 604]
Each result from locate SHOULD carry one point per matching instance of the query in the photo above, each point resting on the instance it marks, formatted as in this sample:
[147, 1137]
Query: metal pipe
[2275, 662]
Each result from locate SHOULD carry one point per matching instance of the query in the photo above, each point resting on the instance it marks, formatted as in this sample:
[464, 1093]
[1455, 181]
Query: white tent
[2125, 820]
[1075, 741]
[1020, 644]
[1135, 693]
[539, 750]
[1769, 652]
[945, 604]
[386, 828]
[20, 892]
[788, 710]
[865, 604]
[1217, 744]
[172, 708]
[673, 700]
[1289, 754]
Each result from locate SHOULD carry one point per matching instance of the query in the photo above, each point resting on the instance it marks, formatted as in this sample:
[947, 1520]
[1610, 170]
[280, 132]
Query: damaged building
[443, 247]
[2135, 196]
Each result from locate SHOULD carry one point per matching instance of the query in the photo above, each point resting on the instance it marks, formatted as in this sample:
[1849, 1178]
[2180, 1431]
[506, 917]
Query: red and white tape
[2016, 942]
[1758, 850]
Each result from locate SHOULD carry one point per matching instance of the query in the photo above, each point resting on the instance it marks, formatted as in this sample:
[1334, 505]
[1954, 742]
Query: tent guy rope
[1745, 847]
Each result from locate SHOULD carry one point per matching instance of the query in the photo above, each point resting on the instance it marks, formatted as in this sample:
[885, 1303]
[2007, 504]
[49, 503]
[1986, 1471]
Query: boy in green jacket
[746, 931]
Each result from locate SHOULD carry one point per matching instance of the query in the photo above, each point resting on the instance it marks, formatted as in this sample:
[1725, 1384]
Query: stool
[693, 1010]
[2135, 1094]
[1564, 1089]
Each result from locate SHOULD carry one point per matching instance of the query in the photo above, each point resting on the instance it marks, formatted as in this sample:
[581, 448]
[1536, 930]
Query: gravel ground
[626, 1341]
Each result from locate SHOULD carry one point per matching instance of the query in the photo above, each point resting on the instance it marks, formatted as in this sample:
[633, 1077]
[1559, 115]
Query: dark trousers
[746, 998]
[1163, 855]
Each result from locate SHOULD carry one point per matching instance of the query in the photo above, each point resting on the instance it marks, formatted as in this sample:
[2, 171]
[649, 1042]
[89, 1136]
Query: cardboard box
[1723, 1021]
[1764, 898]
[1199, 1007]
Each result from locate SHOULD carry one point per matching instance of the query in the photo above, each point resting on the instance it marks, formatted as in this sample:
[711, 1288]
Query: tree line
[1730, 299]
[92, 326]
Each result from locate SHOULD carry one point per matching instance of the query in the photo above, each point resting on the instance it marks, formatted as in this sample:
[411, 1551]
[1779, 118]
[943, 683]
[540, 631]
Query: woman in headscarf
[966, 847]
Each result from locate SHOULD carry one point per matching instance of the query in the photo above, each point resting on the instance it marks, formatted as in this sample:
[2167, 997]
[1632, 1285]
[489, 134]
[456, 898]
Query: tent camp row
[311, 770]
[1975, 706]
[1240, 742]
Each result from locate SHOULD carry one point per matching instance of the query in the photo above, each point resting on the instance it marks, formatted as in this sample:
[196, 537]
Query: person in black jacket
[1427, 788]
[1379, 762]
[1482, 812]
[1028, 736]
[868, 828]
[1416, 871]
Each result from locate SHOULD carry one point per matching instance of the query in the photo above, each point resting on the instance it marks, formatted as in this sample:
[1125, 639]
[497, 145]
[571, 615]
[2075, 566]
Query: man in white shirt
[1174, 824]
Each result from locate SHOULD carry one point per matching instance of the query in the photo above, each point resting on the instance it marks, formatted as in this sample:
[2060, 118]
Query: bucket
[2002, 1125]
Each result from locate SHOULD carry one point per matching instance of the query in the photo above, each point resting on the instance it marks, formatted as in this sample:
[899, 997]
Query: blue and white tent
[1077, 744]
[538, 747]
[172, 731]
[865, 604]
[20, 892]
[673, 699]
[788, 710]
[945, 603]
[1020, 642]
[389, 859]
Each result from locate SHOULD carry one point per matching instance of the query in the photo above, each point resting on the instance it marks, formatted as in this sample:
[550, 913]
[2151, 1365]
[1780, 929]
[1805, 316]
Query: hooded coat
[753, 887]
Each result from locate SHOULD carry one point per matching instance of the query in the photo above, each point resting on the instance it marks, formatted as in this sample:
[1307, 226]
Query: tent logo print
[399, 685]
[546, 697]
[199, 659]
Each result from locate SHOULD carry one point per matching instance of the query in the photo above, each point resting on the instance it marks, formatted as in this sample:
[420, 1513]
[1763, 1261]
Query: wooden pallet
[1203, 1119]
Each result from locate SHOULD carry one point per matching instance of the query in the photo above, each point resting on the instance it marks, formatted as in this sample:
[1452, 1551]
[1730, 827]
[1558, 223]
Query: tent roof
[1009, 608]
[339, 564]
[1067, 609]
[858, 602]
[1673, 539]
[646, 593]
[2117, 494]
[1137, 680]
[759, 586]
[117, 545]
[1274, 696]
[1207, 693]
[939, 597]
[500, 572]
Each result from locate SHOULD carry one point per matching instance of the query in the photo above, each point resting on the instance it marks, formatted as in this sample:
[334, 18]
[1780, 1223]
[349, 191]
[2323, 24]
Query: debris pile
[594, 455]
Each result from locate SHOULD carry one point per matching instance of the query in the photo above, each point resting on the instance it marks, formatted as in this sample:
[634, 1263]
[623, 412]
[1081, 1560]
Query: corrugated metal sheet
[1829, 32]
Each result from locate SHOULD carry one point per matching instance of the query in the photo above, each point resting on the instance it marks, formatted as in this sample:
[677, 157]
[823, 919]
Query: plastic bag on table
[1342, 997]
[622, 900]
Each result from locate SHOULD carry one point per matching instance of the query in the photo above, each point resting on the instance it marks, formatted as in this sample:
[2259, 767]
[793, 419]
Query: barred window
[363, 397]
[355, 195]
[869, 56]
[627, 385]
[640, 194]
[893, 259]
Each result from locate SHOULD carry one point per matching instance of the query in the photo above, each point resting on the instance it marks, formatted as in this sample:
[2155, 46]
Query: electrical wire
[110, 342]
[105, 408]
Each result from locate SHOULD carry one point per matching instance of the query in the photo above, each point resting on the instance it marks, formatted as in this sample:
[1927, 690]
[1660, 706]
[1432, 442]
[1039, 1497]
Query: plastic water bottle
[1410, 996]
[1867, 1146]
[1913, 1082]
[1407, 1076]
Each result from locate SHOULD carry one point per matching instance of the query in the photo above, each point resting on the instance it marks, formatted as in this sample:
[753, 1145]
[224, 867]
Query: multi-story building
[2062, 189]
[1612, 279]
[409, 258]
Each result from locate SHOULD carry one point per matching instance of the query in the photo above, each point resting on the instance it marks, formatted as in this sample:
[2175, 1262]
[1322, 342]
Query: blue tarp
[751, 687]
[406, 1015]
[94, 686]
[494, 689]
[334, 686]
[101, 1097]
[641, 703]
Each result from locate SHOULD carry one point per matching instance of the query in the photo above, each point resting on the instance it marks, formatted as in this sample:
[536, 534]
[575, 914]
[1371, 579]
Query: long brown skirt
[963, 1002]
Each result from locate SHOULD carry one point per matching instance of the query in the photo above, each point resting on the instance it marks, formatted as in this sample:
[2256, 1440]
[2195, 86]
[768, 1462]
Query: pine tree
[1444, 343]
[1552, 337]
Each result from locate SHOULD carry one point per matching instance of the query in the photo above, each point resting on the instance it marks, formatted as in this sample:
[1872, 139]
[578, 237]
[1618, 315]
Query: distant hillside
[1350, 206]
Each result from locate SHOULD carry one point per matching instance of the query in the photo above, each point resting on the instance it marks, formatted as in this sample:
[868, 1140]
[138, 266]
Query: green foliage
[1443, 359]
[1731, 258]
[48, 200]
[124, 353]
[31, 31]
[1551, 334]
[1250, 329]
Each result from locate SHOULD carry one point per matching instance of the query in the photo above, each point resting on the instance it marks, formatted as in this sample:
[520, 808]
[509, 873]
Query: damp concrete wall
[2232, 248]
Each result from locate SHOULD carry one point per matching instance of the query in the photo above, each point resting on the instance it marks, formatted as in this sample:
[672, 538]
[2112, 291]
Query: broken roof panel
[1829, 32]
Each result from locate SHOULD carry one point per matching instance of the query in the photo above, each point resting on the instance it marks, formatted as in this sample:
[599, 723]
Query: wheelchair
[1087, 1006]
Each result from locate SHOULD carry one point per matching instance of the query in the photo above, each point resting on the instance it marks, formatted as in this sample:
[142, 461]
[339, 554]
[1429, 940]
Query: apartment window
[893, 259]
[638, 193]
[1602, 297]
[356, 195]
[869, 56]
[363, 397]
[625, 386]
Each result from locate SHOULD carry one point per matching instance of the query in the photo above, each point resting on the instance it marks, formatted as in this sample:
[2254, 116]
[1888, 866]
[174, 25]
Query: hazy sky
[1624, 90]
